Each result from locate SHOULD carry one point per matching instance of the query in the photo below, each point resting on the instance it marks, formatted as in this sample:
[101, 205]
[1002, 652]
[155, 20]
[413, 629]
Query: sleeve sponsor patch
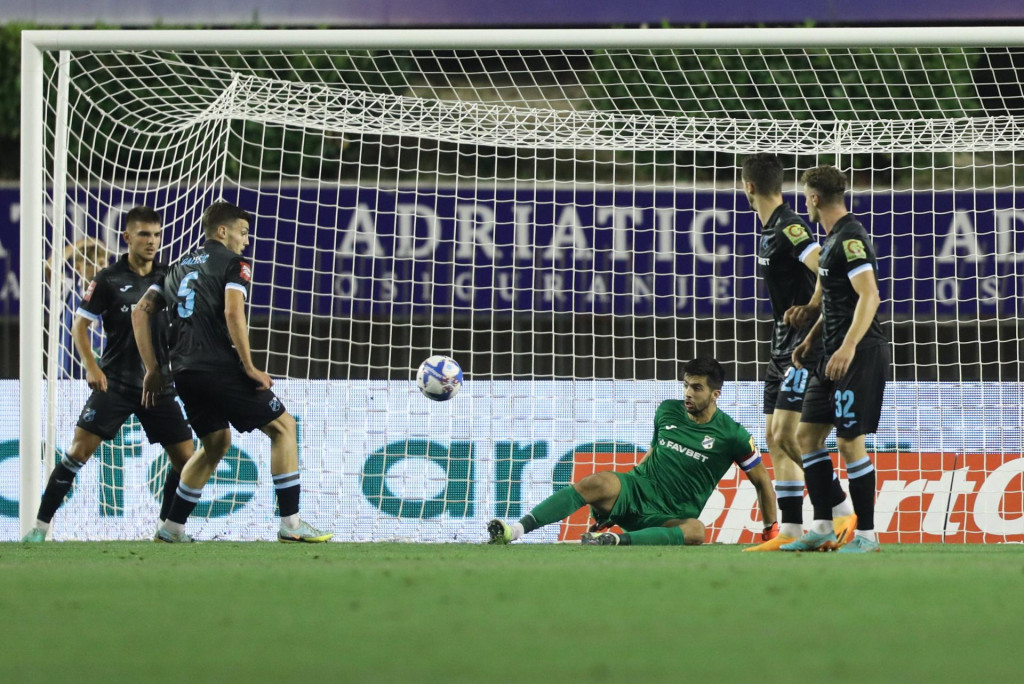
[854, 249]
[796, 233]
[89, 290]
[245, 271]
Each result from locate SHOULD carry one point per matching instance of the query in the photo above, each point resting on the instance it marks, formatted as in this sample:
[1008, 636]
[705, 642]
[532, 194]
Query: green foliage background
[10, 99]
[894, 84]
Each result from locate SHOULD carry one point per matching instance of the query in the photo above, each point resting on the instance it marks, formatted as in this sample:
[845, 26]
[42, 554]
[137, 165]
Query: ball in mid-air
[439, 378]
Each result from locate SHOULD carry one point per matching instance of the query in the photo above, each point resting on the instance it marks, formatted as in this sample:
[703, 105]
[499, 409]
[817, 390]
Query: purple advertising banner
[346, 251]
[397, 13]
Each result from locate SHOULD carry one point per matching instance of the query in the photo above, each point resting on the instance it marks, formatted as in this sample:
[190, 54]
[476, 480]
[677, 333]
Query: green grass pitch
[236, 612]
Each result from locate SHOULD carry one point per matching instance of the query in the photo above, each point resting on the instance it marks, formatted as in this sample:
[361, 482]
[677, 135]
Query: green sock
[656, 536]
[559, 505]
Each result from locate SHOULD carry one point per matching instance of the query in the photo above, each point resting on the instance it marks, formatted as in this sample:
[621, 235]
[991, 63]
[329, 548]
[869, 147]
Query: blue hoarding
[525, 13]
[359, 251]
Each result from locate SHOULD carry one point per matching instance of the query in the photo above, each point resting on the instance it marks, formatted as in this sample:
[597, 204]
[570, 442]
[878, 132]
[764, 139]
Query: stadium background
[466, 613]
[923, 350]
[940, 333]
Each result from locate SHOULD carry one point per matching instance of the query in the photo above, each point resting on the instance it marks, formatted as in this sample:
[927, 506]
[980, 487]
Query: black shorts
[105, 412]
[215, 400]
[854, 403]
[784, 385]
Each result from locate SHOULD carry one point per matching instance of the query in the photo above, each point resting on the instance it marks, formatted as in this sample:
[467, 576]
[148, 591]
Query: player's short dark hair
[141, 214]
[221, 214]
[765, 171]
[827, 181]
[707, 367]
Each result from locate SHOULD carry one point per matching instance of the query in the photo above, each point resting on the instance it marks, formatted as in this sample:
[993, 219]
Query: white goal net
[568, 224]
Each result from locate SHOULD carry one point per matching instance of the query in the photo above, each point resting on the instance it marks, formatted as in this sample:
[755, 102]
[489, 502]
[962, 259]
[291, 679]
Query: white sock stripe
[859, 468]
[286, 480]
[784, 489]
[815, 457]
[70, 463]
[189, 494]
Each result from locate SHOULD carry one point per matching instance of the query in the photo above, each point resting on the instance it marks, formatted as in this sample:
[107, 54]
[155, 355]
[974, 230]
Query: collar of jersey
[841, 223]
[774, 218]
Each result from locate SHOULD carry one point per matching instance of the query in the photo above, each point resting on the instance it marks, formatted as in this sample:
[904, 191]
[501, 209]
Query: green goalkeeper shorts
[640, 506]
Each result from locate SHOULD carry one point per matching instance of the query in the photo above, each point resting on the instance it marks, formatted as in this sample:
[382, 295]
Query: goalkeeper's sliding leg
[617, 498]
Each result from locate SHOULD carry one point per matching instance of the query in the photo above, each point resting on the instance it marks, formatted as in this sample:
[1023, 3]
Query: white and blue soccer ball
[439, 378]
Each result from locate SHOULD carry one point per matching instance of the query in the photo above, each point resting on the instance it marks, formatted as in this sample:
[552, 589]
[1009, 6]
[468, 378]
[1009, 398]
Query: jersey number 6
[188, 294]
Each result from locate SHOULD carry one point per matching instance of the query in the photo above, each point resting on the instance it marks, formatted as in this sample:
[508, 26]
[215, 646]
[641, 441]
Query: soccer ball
[439, 378]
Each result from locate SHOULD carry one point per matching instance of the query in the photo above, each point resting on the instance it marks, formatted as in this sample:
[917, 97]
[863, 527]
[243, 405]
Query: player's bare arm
[94, 375]
[758, 476]
[800, 315]
[868, 301]
[238, 330]
[153, 382]
[804, 347]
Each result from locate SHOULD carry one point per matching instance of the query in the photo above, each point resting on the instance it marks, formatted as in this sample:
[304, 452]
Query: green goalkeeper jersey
[690, 458]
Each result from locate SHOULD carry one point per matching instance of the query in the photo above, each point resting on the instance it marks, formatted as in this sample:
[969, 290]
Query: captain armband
[750, 462]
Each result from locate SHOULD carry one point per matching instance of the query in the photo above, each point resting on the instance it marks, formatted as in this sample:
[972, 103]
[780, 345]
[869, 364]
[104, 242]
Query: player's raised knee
[282, 426]
[785, 443]
[215, 445]
[598, 486]
[810, 437]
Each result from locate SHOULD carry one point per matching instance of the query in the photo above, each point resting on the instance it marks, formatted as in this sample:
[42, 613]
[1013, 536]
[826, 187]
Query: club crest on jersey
[275, 404]
[854, 249]
[88, 415]
[90, 290]
[709, 442]
[796, 233]
[245, 272]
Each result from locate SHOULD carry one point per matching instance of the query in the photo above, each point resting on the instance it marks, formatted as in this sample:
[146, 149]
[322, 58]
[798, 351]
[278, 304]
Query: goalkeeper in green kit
[659, 501]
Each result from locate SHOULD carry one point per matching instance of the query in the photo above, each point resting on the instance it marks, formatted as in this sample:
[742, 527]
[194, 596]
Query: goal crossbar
[453, 39]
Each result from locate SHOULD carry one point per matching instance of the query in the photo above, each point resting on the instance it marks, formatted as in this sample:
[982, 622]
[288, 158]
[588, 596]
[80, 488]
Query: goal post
[558, 210]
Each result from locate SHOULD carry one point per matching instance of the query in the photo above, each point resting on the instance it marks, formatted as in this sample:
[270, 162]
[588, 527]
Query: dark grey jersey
[194, 293]
[846, 253]
[110, 298]
[785, 243]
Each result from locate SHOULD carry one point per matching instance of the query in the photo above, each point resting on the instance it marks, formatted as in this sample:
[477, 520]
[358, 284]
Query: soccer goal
[558, 210]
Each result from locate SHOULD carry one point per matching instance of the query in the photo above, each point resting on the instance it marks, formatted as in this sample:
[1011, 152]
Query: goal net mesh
[569, 225]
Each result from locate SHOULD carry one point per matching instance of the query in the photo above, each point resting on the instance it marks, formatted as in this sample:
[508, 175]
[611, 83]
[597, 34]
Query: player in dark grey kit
[116, 380]
[787, 261]
[845, 391]
[205, 293]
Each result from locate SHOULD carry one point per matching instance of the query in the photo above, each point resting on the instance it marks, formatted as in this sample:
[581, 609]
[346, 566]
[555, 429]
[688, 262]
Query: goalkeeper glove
[770, 532]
